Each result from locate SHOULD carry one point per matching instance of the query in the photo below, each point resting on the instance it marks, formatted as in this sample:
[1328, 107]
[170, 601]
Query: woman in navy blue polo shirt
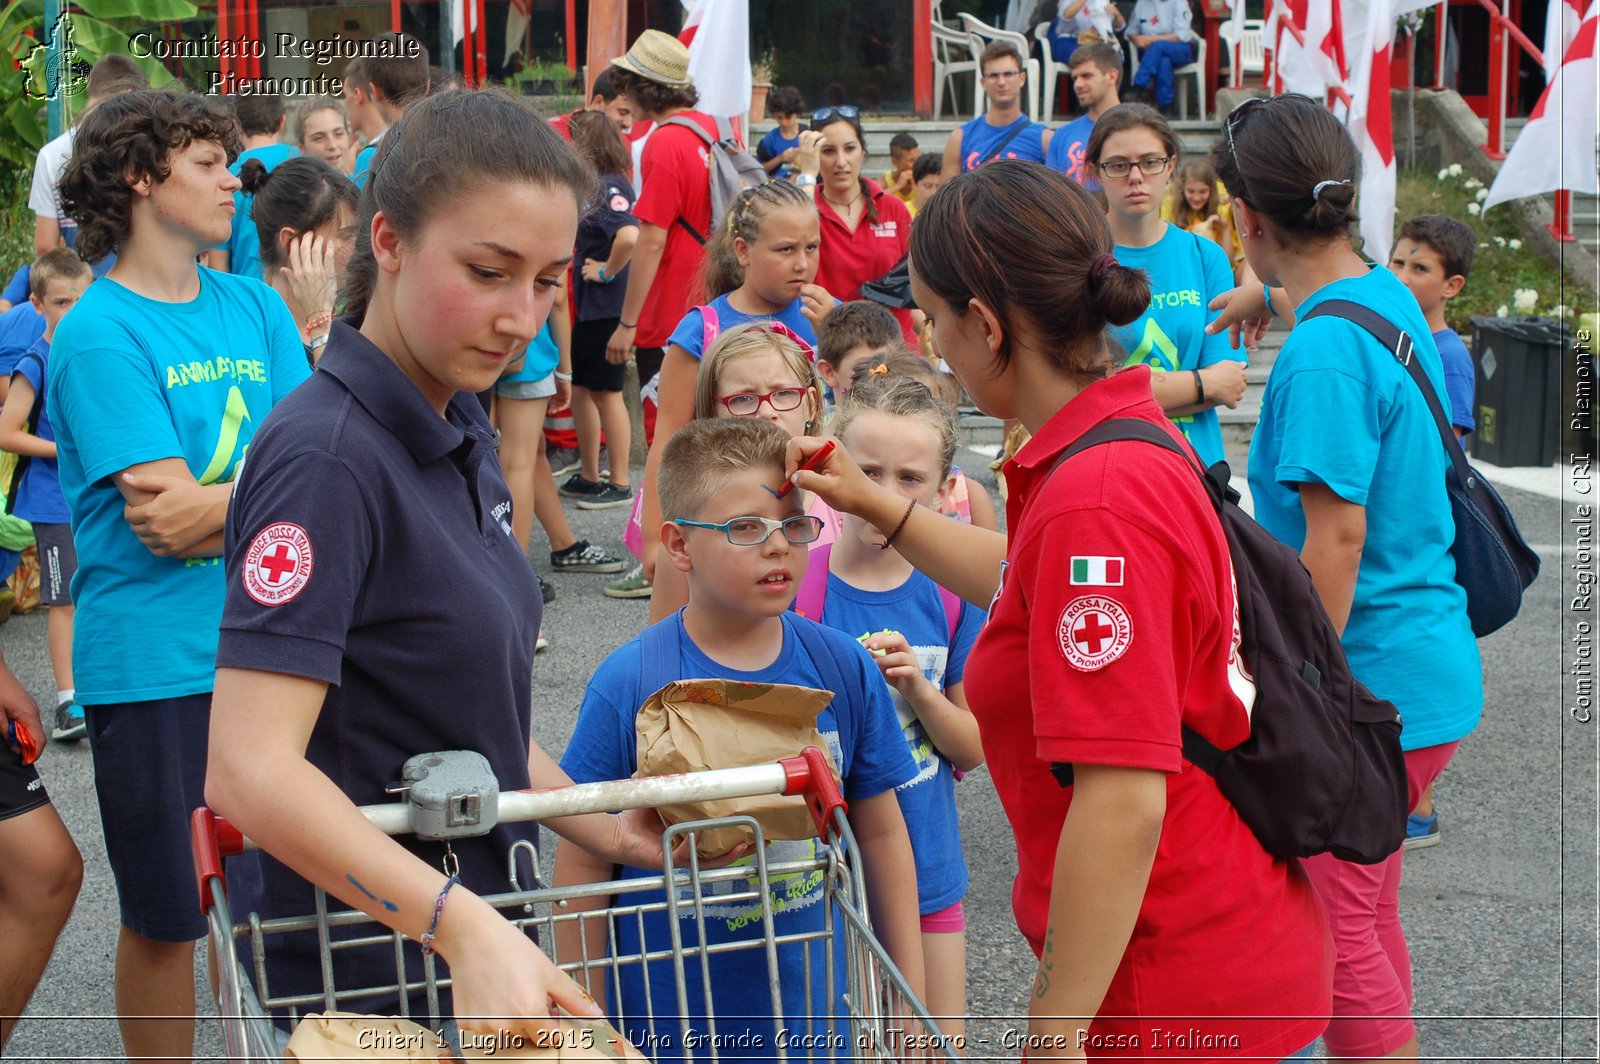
[376, 487]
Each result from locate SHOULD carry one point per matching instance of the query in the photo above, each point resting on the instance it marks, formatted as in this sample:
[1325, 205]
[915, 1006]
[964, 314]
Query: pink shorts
[946, 921]
[1372, 970]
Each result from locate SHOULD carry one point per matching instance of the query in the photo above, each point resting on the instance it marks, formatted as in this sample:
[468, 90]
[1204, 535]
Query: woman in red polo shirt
[865, 230]
[1151, 905]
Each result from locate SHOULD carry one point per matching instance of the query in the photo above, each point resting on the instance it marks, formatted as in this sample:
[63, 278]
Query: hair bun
[1121, 293]
[252, 175]
[1332, 206]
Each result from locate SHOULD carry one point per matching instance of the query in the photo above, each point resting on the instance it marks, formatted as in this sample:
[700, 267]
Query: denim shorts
[150, 775]
[543, 388]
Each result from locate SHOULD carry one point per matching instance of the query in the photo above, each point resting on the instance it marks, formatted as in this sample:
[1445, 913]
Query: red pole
[1561, 226]
[482, 47]
[469, 72]
[225, 64]
[252, 31]
[1497, 89]
[922, 57]
[394, 15]
[572, 43]
[1440, 32]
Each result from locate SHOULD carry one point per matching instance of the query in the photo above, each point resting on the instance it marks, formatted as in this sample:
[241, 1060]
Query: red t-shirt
[1116, 620]
[849, 260]
[675, 183]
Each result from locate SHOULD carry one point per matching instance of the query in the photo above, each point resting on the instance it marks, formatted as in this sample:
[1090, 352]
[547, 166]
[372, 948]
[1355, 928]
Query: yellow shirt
[909, 199]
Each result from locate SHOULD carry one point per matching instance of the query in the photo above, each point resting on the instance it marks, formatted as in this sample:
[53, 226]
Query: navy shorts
[58, 561]
[21, 789]
[150, 775]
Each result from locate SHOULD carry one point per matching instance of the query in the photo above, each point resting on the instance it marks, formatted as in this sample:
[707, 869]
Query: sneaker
[1421, 832]
[563, 460]
[576, 487]
[547, 590]
[632, 586]
[540, 643]
[608, 497]
[70, 725]
[585, 557]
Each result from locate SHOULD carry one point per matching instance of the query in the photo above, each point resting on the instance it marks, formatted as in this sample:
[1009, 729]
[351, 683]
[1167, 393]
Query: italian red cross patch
[277, 566]
[1094, 631]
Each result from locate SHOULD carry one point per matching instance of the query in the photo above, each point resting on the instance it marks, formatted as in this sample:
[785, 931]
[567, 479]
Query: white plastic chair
[1252, 57]
[1052, 70]
[1182, 75]
[982, 33]
[952, 56]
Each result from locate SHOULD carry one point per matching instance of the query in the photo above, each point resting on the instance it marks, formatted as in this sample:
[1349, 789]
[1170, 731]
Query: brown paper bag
[352, 1036]
[693, 725]
[576, 1042]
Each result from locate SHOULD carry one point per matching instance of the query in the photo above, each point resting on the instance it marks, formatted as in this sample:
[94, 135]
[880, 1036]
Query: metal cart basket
[880, 1019]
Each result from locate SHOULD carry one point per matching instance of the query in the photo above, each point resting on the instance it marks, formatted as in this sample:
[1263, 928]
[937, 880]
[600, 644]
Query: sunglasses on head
[843, 111]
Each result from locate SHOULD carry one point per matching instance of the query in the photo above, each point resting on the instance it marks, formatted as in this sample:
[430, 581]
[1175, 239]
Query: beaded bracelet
[438, 910]
[903, 519]
[319, 322]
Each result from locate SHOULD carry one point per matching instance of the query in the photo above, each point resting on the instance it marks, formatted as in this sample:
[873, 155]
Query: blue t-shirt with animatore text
[135, 380]
[1185, 273]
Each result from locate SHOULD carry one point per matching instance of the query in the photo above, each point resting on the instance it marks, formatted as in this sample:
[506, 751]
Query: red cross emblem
[1093, 632]
[277, 566]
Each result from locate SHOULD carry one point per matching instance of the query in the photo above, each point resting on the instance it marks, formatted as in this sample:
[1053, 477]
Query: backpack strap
[823, 655]
[952, 609]
[690, 124]
[808, 601]
[660, 650]
[1021, 128]
[1398, 342]
[711, 327]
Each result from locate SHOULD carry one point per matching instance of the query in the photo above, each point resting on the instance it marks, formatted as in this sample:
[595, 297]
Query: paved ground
[1501, 915]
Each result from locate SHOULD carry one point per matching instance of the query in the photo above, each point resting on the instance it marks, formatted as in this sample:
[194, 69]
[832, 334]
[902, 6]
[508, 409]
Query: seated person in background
[1162, 32]
[900, 179]
[926, 176]
[778, 148]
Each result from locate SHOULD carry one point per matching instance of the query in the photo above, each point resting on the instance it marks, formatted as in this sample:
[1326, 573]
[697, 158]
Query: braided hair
[722, 272]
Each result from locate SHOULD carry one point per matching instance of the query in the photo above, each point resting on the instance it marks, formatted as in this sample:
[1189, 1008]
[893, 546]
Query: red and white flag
[1311, 70]
[1561, 129]
[1370, 120]
[717, 33]
[1560, 26]
[518, 13]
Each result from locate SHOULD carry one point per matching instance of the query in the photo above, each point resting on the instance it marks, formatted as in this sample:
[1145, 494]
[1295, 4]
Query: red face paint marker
[810, 465]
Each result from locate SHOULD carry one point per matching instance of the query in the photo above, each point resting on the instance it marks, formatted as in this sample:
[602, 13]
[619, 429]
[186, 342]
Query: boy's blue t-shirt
[244, 243]
[691, 331]
[1339, 410]
[20, 328]
[916, 610]
[1459, 384]
[980, 140]
[775, 144]
[133, 380]
[1067, 148]
[16, 290]
[861, 732]
[1185, 272]
[39, 497]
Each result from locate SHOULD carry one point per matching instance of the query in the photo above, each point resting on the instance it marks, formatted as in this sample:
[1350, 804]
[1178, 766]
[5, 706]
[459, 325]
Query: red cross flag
[1311, 70]
[717, 33]
[1560, 129]
[1560, 26]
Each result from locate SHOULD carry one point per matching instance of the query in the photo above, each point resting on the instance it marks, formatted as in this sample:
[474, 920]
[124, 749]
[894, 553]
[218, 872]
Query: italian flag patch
[1096, 571]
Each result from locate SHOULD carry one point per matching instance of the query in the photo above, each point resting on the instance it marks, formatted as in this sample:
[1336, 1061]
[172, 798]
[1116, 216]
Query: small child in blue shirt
[56, 282]
[778, 148]
[1432, 259]
[743, 552]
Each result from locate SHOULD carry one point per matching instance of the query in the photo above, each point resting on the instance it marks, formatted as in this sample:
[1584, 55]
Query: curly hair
[651, 96]
[130, 135]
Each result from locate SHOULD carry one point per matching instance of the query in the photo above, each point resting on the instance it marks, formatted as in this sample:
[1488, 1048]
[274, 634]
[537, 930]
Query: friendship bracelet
[627, 325]
[319, 321]
[438, 911]
[1199, 388]
[562, 376]
[903, 519]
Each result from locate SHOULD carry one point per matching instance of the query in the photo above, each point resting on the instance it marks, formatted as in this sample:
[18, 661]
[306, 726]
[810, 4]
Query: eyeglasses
[1150, 165]
[754, 531]
[743, 404]
[1002, 75]
[1234, 121]
[843, 111]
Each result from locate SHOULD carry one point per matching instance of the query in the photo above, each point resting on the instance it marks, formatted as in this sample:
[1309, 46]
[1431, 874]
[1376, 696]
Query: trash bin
[1517, 380]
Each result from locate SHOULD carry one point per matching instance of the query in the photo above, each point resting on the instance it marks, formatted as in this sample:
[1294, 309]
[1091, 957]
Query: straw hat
[658, 57]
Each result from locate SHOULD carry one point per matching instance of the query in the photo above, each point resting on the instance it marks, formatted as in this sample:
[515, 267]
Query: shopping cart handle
[810, 775]
[211, 838]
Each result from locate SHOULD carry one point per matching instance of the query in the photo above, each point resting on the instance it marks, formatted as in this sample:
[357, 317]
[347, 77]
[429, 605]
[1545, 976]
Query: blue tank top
[979, 140]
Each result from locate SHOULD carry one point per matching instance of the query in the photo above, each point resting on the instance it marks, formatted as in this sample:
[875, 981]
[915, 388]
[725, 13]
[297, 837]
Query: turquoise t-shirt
[244, 243]
[1339, 410]
[540, 360]
[364, 164]
[135, 380]
[1185, 272]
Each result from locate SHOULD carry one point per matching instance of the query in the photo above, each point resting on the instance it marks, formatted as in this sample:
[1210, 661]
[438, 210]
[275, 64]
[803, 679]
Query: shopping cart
[882, 1018]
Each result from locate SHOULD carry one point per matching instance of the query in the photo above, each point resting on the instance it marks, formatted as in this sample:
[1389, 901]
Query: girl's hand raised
[815, 302]
[311, 276]
[808, 154]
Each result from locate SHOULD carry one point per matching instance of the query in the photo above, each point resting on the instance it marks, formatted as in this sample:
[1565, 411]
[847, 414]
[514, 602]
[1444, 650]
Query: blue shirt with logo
[133, 380]
[691, 331]
[1339, 410]
[244, 243]
[860, 729]
[916, 610]
[1185, 272]
[39, 497]
[979, 140]
[1067, 149]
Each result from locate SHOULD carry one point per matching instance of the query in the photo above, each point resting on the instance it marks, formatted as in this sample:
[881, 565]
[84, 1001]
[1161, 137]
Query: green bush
[16, 222]
[1507, 276]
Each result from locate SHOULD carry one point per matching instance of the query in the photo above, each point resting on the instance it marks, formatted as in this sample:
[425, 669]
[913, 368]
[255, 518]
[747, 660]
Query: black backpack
[1494, 564]
[1322, 770]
